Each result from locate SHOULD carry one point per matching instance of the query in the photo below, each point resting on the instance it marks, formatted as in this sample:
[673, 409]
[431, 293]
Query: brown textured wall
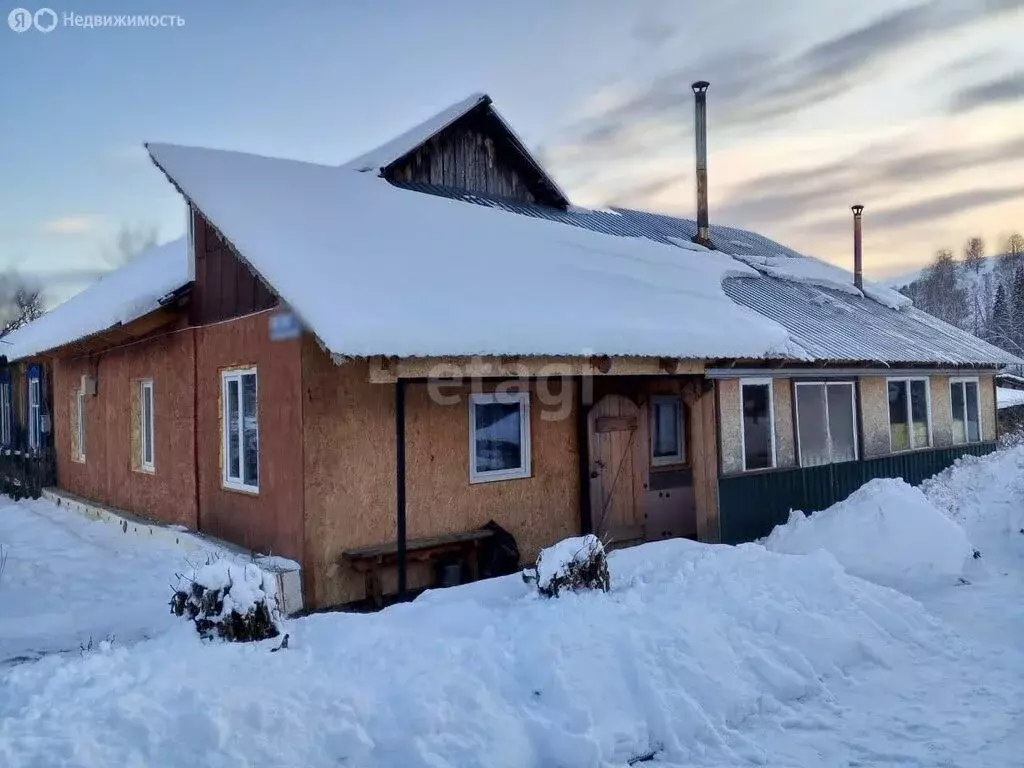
[350, 474]
[987, 406]
[785, 440]
[270, 520]
[107, 475]
[730, 425]
[942, 415]
[874, 415]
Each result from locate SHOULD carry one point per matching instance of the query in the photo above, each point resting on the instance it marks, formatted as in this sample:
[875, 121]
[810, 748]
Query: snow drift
[691, 641]
[886, 532]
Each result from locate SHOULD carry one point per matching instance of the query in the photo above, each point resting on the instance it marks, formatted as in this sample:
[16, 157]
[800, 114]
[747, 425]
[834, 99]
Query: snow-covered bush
[577, 563]
[886, 532]
[233, 601]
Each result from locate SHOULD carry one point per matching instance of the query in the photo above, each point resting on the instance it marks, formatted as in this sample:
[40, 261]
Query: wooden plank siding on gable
[224, 287]
[471, 155]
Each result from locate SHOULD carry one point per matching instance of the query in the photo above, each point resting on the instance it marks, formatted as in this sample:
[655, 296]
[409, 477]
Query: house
[431, 337]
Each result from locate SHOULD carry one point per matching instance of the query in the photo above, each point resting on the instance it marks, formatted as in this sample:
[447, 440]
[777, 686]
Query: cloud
[943, 205]
[1003, 90]
[79, 224]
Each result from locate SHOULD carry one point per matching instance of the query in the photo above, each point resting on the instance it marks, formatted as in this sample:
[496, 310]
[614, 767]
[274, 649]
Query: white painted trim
[35, 413]
[147, 425]
[236, 483]
[6, 413]
[905, 380]
[758, 382]
[825, 384]
[680, 455]
[962, 380]
[80, 424]
[484, 398]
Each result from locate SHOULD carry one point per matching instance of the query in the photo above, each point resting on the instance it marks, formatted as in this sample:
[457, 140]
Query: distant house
[431, 337]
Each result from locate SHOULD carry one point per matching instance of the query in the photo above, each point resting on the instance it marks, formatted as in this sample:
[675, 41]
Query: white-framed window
[35, 412]
[910, 423]
[146, 420]
[240, 451]
[79, 425]
[6, 416]
[757, 420]
[668, 444]
[826, 422]
[964, 402]
[499, 436]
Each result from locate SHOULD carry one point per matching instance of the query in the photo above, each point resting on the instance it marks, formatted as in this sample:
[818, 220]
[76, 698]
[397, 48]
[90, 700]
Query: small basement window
[909, 414]
[79, 425]
[499, 436]
[240, 452]
[668, 445]
[758, 414]
[146, 458]
[963, 397]
[826, 423]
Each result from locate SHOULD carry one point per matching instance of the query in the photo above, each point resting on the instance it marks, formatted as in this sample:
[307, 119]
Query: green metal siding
[751, 505]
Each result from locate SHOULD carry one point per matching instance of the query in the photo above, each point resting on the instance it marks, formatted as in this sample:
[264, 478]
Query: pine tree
[1016, 308]
[999, 332]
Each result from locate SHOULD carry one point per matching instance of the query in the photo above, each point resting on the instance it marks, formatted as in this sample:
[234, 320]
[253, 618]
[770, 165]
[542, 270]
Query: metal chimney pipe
[858, 255]
[700, 89]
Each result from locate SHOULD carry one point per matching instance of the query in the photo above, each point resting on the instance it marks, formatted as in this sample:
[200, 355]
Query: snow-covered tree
[21, 302]
[974, 254]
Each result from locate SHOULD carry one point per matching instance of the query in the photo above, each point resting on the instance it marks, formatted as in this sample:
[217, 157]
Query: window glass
[812, 419]
[666, 435]
[899, 422]
[34, 414]
[250, 433]
[956, 395]
[147, 425]
[757, 427]
[841, 425]
[498, 436]
[919, 412]
[80, 424]
[973, 423]
[233, 445]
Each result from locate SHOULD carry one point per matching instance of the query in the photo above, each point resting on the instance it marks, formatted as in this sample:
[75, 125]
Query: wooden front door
[617, 447]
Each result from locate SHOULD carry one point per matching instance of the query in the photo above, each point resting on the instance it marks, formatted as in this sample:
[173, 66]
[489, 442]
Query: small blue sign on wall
[284, 325]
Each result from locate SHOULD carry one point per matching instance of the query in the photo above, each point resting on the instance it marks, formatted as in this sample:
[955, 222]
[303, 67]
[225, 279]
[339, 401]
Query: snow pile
[691, 642]
[887, 532]
[985, 495]
[119, 297]
[571, 565]
[230, 600]
[572, 289]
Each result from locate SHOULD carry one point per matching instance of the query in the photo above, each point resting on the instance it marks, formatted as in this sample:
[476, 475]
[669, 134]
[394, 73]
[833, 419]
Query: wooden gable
[477, 153]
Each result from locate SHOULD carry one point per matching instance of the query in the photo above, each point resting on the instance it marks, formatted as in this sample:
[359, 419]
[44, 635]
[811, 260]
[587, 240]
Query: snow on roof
[119, 297]
[403, 144]
[1008, 398]
[375, 269]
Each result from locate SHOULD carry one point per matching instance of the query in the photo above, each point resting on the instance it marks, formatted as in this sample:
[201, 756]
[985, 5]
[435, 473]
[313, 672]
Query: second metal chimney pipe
[700, 89]
[858, 256]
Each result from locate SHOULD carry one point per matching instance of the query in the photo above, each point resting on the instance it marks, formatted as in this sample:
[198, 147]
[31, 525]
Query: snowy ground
[702, 655]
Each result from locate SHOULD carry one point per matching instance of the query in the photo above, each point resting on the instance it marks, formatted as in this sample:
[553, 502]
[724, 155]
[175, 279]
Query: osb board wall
[730, 425]
[942, 415]
[349, 460]
[350, 473]
[270, 520]
[874, 416]
[987, 406]
[107, 475]
[785, 431]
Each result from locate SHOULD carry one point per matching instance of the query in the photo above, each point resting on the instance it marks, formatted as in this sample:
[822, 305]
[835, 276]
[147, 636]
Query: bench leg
[374, 590]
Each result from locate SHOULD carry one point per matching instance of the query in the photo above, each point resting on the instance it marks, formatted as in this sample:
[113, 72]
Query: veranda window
[909, 414]
[826, 422]
[35, 409]
[667, 443]
[963, 397]
[241, 445]
[6, 416]
[499, 436]
[758, 423]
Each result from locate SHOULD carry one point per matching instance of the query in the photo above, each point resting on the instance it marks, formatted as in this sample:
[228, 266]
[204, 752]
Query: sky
[914, 109]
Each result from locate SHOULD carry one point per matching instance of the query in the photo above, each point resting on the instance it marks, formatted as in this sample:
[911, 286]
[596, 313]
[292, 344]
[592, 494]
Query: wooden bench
[370, 561]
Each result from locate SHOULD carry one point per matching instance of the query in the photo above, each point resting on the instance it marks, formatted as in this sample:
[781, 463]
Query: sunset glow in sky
[915, 109]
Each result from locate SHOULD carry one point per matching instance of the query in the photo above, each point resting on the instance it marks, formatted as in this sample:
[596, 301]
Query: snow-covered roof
[387, 153]
[1008, 398]
[375, 269]
[119, 297]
